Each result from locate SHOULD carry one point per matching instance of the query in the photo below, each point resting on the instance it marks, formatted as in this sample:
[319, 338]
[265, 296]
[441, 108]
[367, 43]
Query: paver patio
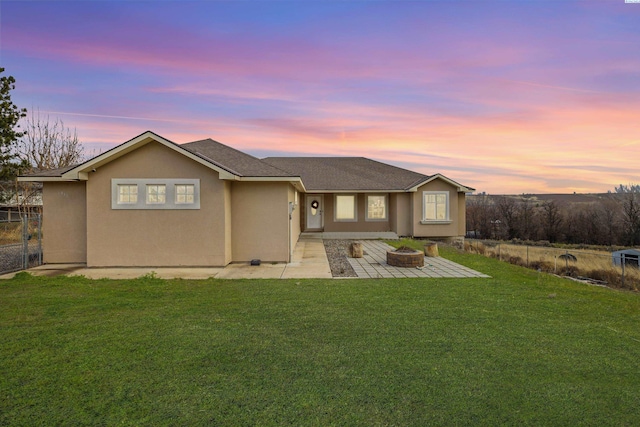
[374, 265]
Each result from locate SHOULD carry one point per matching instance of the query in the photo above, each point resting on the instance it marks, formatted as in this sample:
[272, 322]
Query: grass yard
[595, 264]
[521, 348]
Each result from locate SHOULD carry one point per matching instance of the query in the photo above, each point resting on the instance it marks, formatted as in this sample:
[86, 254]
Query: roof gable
[81, 171]
[461, 188]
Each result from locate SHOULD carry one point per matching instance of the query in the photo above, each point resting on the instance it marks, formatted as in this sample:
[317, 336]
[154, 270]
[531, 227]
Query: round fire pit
[405, 257]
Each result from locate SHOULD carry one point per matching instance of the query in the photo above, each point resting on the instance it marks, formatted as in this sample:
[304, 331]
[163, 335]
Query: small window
[376, 207]
[156, 194]
[185, 194]
[345, 209]
[127, 194]
[436, 206]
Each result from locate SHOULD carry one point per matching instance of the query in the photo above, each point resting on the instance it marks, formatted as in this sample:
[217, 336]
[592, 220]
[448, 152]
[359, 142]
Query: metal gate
[20, 242]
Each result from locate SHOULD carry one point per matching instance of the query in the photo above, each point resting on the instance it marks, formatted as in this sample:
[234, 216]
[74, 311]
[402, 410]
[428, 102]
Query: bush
[571, 271]
[541, 265]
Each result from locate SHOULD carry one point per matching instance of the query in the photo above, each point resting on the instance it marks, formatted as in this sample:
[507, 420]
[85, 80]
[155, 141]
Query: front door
[314, 212]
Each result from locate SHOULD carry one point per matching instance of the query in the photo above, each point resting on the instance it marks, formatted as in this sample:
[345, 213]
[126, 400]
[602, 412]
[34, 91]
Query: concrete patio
[309, 261]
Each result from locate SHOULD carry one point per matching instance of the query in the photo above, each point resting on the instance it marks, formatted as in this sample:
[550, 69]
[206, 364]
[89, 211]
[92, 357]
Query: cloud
[503, 96]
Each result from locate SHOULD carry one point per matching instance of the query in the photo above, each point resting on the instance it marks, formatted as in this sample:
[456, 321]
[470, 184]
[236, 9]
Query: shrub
[541, 265]
[571, 271]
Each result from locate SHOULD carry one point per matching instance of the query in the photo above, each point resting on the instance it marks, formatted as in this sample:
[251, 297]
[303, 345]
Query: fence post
[527, 256]
[25, 242]
[39, 217]
[566, 262]
[623, 263]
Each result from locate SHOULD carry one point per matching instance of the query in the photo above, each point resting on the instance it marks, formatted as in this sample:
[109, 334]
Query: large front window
[436, 206]
[376, 207]
[345, 209]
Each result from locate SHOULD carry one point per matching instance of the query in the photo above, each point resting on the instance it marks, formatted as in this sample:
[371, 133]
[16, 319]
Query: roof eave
[461, 188]
[44, 179]
[357, 191]
[295, 180]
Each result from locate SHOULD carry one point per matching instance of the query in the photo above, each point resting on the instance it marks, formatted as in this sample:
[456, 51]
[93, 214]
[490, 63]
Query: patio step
[389, 235]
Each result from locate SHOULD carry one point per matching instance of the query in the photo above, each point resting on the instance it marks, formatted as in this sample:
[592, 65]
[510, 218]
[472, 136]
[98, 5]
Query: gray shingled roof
[236, 162]
[347, 173]
[317, 173]
[52, 172]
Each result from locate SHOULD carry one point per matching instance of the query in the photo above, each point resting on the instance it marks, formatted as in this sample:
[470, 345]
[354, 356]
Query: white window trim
[424, 208]
[117, 191]
[158, 186]
[170, 194]
[386, 208]
[355, 207]
[175, 189]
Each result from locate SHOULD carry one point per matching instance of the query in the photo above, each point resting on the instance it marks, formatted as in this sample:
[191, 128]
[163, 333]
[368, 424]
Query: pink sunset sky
[503, 96]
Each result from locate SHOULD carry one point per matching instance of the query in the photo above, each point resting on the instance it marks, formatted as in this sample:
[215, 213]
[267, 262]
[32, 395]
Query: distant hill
[558, 198]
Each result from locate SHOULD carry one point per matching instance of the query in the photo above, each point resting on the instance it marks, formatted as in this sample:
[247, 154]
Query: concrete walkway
[309, 261]
[374, 265]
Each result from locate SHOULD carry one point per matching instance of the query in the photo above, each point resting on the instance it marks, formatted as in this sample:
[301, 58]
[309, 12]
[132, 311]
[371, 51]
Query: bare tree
[480, 216]
[508, 211]
[551, 220]
[527, 215]
[631, 217]
[45, 144]
[48, 144]
[609, 213]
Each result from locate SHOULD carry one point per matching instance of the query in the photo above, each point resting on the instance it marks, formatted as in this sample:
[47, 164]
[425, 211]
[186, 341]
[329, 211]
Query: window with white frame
[156, 194]
[376, 207]
[435, 206]
[127, 193]
[185, 194]
[345, 207]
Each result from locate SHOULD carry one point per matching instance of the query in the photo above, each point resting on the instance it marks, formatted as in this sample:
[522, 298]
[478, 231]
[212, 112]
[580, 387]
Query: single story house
[152, 202]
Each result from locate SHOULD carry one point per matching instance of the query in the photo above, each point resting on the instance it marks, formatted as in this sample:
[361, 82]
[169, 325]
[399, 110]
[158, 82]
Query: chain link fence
[592, 266]
[20, 241]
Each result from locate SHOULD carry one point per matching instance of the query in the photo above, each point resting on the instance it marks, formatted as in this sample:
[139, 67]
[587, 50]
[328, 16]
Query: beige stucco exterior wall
[462, 214]
[400, 213]
[451, 229]
[156, 237]
[64, 225]
[228, 247]
[361, 225]
[295, 217]
[260, 221]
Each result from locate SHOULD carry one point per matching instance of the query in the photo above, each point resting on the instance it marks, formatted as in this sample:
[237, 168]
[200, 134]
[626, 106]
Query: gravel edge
[337, 250]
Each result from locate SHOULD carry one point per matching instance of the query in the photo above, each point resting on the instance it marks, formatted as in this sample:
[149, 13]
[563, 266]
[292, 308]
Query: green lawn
[520, 348]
